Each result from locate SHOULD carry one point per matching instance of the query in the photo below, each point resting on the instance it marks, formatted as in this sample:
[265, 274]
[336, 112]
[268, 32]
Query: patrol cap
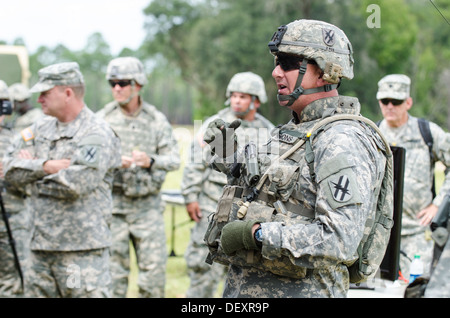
[19, 92]
[394, 86]
[67, 73]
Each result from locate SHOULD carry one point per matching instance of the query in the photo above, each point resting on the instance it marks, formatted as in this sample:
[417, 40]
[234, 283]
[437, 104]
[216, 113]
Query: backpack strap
[309, 154]
[424, 127]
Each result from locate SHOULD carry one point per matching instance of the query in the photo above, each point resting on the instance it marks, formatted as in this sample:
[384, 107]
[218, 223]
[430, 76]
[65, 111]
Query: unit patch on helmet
[114, 71]
[328, 37]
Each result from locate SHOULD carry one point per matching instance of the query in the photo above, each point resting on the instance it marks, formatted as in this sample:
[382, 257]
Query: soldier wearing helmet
[25, 113]
[149, 151]
[18, 216]
[202, 186]
[297, 231]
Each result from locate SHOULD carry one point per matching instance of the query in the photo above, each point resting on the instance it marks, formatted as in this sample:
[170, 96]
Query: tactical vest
[278, 201]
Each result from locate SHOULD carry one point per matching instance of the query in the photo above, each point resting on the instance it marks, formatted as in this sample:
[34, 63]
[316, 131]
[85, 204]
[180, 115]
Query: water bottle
[416, 268]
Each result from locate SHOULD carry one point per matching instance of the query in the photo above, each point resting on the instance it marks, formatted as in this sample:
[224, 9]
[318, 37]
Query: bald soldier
[66, 162]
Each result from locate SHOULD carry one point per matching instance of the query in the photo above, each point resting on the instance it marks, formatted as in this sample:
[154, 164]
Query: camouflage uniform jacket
[28, 118]
[149, 131]
[313, 245]
[13, 199]
[418, 170]
[199, 179]
[71, 208]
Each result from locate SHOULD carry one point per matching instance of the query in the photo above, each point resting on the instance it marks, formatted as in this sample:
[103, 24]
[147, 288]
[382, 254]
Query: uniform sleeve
[167, 156]
[441, 149]
[194, 170]
[95, 156]
[20, 172]
[348, 169]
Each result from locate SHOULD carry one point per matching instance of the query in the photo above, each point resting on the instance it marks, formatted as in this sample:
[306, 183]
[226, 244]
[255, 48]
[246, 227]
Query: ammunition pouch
[139, 182]
[228, 205]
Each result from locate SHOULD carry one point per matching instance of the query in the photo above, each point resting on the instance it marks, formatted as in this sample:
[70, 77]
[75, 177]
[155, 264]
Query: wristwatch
[258, 235]
[151, 164]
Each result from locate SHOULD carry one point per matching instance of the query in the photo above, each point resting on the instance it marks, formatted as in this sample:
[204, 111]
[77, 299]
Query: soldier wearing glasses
[419, 206]
[149, 151]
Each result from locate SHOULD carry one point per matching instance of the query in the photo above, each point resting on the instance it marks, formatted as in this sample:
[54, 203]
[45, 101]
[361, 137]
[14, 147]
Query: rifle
[12, 243]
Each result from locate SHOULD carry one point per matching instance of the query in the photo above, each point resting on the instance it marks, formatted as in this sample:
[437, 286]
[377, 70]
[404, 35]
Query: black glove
[221, 137]
[238, 235]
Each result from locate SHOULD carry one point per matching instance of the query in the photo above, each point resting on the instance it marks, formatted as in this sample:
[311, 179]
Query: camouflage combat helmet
[128, 68]
[4, 94]
[317, 41]
[19, 92]
[247, 83]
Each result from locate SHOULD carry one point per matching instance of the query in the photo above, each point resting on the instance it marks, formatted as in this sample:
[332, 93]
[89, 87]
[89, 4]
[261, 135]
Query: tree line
[193, 48]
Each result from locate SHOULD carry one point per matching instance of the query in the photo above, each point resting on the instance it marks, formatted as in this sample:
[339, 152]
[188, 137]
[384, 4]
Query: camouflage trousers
[249, 282]
[420, 243]
[78, 274]
[204, 278]
[9, 274]
[144, 228]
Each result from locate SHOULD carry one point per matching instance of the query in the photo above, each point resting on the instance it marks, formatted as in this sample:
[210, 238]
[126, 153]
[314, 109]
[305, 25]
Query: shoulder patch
[89, 155]
[340, 188]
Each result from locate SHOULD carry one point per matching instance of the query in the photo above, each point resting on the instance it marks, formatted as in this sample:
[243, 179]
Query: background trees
[193, 48]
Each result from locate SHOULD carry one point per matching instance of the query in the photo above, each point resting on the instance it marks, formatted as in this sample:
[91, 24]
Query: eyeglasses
[395, 102]
[121, 83]
[288, 62]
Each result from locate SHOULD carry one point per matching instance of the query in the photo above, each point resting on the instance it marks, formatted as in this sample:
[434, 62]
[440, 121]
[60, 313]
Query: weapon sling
[11, 240]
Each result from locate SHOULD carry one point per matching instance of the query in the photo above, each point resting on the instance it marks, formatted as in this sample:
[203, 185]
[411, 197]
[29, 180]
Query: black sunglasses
[288, 62]
[395, 102]
[121, 83]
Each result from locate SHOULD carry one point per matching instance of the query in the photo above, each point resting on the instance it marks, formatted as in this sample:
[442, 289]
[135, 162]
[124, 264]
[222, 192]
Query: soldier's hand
[194, 212]
[127, 162]
[221, 137]
[238, 235]
[141, 159]
[53, 166]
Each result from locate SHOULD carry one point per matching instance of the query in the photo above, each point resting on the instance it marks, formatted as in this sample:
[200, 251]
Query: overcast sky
[53, 22]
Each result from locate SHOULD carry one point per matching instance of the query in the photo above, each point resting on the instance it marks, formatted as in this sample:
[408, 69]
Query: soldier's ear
[409, 103]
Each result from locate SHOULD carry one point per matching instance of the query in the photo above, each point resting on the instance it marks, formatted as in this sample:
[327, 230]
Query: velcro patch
[340, 188]
[89, 155]
[27, 134]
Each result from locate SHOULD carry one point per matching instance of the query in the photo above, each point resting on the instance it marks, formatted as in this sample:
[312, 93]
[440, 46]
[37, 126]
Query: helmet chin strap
[291, 98]
[250, 108]
[133, 93]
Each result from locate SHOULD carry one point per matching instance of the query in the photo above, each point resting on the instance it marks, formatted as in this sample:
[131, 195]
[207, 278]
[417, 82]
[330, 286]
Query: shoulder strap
[311, 133]
[424, 127]
[309, 155]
